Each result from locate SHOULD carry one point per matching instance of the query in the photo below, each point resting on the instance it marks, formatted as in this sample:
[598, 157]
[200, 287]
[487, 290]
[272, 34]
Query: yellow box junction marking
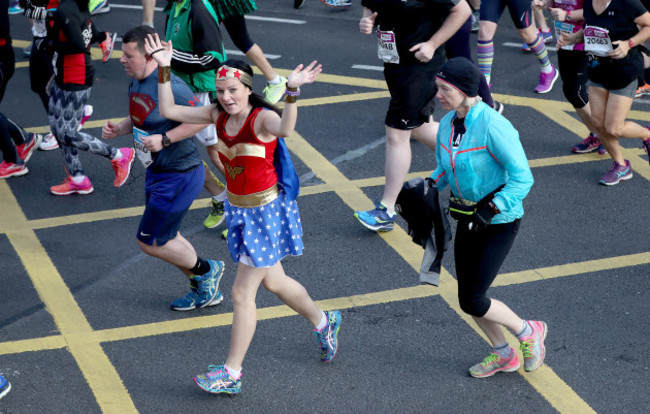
[84, 343]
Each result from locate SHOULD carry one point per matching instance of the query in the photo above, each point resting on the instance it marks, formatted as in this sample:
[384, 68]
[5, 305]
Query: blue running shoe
[377, 219]
[208, 284]
[14, 7]
[327, 338]
[190, 301]
[218, 381]
[5, 386]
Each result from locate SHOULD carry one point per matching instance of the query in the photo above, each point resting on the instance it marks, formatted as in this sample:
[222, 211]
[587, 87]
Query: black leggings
[573, 71]
[40, 72]
[236, 28]
[7, 67]
[479, 256]
[11, 135]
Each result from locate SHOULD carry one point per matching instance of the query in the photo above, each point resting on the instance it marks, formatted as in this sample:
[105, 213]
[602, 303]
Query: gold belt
[256, 199]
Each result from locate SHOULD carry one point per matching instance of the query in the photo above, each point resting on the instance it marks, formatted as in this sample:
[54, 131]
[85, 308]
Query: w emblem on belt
[233, 171]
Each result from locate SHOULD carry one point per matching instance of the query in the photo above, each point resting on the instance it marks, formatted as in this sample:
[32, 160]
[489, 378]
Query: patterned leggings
[66, 111]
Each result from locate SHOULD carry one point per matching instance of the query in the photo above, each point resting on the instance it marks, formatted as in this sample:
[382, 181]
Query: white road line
[260, 18]
[240, 53]
[368, 67]
[518, 45]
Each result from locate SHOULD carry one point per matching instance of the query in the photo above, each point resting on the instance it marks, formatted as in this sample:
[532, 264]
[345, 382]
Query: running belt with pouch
[464, 210]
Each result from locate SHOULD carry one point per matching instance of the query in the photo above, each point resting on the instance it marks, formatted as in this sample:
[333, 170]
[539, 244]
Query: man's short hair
[137, 35]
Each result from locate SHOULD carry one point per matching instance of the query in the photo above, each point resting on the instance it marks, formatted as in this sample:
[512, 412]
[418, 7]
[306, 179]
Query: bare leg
[256, 56]
[398, 163]
[177, 251]
[497, 316]
[147, 12]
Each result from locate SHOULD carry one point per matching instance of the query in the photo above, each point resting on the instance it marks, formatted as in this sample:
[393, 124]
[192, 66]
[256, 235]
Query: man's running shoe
[88, 112]
[14, 8]
[498, 106]
[589, 144]
[26, 150]
[217, 214]
[642, 90]
[602, 150]
[193, 297]
[328, 337]
[337, 3]
[70, 187]
[208, 285]
[98, 7]
[5, 386]
[547, 80]
[533, 346]
[617, 173]
[9, 169]
[218, 381]
[107, 46]
[377, 219]
[49, 143]
[122, 166]
[298, 3]
[273, 92]
[493, 363]
[646, 146]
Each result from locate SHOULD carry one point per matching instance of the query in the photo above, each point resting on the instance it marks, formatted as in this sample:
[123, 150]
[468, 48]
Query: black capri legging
[479, 256]
[573, 71]
[236, 28]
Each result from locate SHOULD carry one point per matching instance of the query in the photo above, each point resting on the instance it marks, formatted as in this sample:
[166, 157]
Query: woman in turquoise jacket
[480, 157]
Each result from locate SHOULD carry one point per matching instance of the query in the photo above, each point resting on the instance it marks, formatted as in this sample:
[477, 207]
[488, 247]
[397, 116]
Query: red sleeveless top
[247, 160]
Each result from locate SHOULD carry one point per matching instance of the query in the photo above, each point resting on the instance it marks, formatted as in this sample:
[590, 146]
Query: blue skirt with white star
[262, 236]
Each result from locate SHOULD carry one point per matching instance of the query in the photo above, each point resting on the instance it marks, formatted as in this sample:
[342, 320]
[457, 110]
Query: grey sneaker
[493, 363]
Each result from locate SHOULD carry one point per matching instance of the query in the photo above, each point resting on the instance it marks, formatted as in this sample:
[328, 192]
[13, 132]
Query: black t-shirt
[413, 22]
[618, 18]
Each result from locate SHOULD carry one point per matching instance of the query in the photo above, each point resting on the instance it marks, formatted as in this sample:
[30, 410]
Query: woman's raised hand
[159, 50]
[302, 75]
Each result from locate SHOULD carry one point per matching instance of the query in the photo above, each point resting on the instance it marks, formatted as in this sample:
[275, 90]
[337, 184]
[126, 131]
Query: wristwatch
[165, 140]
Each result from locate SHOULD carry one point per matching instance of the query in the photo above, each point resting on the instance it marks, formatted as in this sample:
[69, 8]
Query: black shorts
[412, 94]
[520, 11]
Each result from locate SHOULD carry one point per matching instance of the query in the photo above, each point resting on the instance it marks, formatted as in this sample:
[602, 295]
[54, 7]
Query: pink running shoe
[533, 346]
[26, 150]
[9, 169]
[70, 187]
[122, 166]
[547, 80]
[493, 363]
[107, 46]
[88, 112]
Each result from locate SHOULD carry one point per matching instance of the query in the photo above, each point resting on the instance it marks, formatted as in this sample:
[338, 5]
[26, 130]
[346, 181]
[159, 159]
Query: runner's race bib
[386, 46]
[564, 27]
[143, 154]
[597, 41]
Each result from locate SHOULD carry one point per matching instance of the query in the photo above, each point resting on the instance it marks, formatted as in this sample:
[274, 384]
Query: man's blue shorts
[168, 197]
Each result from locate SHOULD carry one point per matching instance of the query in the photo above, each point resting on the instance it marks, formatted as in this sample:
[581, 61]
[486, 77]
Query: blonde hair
[471, 101]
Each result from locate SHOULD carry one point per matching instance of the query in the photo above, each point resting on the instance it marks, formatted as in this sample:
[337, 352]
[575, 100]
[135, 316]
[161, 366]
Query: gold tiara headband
[226, 72]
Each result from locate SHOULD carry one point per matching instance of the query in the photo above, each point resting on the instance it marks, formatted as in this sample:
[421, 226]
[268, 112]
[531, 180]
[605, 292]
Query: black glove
[484, 214]
[25, 4]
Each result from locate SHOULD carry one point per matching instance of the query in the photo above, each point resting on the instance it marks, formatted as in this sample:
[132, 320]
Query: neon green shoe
[273, 93]
[216, 216]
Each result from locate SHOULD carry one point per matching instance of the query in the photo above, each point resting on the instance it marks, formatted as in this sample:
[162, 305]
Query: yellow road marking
[95, 366]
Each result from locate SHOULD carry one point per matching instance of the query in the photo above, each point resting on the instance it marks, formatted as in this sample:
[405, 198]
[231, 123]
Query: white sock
[233, 373]
[547, 68]
[221, 197]
[78, 178]
[323, 322]
[276, 81]
[526, 330]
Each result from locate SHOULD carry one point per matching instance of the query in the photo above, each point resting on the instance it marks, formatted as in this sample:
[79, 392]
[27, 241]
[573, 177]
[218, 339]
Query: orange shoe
[26, 150]
[642, 90]
[107, 46]
[70, 187]
[122, 166]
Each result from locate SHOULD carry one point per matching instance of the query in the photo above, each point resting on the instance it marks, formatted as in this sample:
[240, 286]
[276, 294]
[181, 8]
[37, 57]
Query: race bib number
[564, 27]
[597, 41]
[386, 46]
[144, 155]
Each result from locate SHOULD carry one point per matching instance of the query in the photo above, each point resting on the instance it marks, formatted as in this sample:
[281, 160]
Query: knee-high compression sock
[541, 53]
[485, 55]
